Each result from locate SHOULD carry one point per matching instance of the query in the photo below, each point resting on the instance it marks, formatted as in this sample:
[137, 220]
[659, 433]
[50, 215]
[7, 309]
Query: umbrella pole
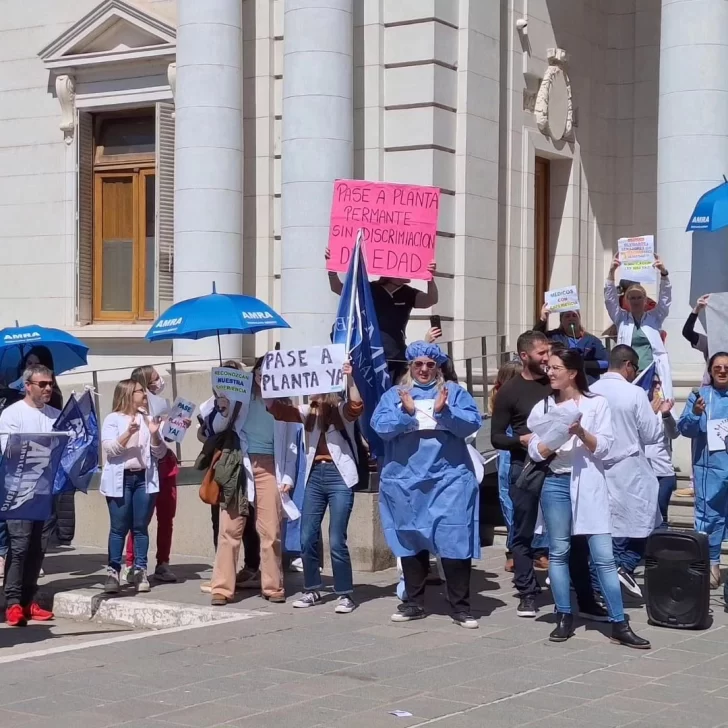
[219, 347]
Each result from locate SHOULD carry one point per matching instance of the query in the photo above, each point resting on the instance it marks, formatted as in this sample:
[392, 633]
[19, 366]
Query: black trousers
[457, 580]
[23, 562]
[525, 515]
[251, 540]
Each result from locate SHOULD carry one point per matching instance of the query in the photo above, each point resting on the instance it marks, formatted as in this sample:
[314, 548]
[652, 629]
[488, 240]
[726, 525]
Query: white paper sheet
[717, 433]
[290, 508]
[552, 427]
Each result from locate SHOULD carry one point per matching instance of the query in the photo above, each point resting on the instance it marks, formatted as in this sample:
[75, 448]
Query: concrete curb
[139, 613]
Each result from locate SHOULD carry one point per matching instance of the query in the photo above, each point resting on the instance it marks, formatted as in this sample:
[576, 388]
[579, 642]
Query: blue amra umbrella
[711, 212]
[67, 351]
[214, 315]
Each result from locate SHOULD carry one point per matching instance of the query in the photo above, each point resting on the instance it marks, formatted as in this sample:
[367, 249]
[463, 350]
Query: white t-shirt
[22, 417]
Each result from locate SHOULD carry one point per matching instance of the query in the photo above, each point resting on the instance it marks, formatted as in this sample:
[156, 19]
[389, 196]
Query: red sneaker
[37, 613]
[14, 616]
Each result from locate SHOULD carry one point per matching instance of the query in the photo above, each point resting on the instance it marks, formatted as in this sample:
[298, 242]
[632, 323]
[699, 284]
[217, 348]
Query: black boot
[564, 627]
[622, 634]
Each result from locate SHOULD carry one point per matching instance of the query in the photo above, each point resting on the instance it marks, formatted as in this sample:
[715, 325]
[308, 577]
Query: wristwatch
[664, 274]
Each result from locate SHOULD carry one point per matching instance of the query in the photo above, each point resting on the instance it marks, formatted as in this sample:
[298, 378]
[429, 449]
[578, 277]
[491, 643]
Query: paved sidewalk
[302, 668]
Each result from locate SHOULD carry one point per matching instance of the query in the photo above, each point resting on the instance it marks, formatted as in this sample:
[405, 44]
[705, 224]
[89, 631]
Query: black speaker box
[677, 579]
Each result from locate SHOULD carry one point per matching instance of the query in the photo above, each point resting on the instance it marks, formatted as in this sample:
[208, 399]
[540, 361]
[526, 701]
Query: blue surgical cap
[422, 348]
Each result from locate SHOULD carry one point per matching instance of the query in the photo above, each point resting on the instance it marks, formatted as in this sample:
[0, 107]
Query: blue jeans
[628, 552]
[556, 507]
[668, 483]
[4, 539]
[540, 540]
[132, 512]
[325, 487]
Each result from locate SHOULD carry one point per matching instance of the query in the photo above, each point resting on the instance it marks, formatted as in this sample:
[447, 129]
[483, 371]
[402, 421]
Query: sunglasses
[424, 364]
[42, 385]
[719, 368]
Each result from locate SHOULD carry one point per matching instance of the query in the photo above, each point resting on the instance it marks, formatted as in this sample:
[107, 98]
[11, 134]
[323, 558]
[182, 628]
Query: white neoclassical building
[151, 147]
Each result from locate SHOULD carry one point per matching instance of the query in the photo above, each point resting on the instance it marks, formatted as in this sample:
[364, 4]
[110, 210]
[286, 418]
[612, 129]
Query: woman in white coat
[132, 445]
[640, 328]
[574, 499]
[270, 453]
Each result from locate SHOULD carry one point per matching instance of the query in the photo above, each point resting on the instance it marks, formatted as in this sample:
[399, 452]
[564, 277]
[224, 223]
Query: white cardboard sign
[314, 370]
[562, 299]
[174, 427]
[637, 258]
[232, 384]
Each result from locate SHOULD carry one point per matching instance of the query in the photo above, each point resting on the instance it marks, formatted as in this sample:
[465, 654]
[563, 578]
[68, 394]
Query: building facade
[149, 148]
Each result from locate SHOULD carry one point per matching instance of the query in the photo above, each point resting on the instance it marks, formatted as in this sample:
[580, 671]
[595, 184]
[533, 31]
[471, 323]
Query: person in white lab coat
[574, 498]
[638, 327]
[633, 486]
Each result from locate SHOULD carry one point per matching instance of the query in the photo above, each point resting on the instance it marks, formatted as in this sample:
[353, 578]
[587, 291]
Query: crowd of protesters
[581, 509]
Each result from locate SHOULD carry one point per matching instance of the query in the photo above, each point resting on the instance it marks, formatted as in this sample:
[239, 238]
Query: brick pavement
[307, 668]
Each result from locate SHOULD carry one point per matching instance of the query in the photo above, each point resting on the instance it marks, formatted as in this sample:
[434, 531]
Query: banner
[637, 258]
[716, 323]
[27, 473]
[80, 458]
[233, 384]
[562, 299]
[316, 370]
[175, 427]
[356, 326]
[399, 223]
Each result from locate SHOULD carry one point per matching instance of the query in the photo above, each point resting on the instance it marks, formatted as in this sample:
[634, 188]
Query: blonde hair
[407, 381]
[143, 375]
[507, 371]
[124, 396]
[635, 287]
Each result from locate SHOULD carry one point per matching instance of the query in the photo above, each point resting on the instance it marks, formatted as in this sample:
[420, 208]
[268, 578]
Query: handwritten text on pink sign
[399, 224]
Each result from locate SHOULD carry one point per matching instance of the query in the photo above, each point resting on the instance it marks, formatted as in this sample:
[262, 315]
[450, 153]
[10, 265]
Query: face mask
[158, 386]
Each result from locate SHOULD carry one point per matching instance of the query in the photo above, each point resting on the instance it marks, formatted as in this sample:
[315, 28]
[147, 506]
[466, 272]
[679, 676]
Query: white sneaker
[345, 605]
[127, 575]
[206, 587]
[2, 569]
[308, 599]
[165, 574]
[141, 580]
[296, 565]
[628, 582]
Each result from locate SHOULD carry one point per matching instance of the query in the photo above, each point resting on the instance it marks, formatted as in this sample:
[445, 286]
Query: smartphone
[436, 322]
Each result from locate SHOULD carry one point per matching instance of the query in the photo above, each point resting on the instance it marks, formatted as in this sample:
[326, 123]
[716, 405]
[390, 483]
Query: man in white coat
[631, 482]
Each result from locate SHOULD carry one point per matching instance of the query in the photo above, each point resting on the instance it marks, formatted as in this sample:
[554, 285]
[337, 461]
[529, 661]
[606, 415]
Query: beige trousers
[268, 515]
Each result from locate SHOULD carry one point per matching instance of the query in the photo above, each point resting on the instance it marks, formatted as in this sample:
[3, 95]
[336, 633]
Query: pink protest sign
[399, 224]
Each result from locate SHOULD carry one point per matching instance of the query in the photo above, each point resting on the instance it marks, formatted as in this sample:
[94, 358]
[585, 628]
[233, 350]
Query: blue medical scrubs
[428, 493]
[710, 469]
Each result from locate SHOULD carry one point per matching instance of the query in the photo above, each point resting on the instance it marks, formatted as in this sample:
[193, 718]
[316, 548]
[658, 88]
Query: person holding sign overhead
[572, 335]
[705, 421]
[638, 327]
[428, 495]
[331, 473]
[133, 445]
[394, 300]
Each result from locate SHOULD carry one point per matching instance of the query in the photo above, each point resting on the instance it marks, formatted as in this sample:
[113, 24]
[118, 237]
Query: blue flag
[27, 471]
[81, 456]
[646, 379]
[356, 325]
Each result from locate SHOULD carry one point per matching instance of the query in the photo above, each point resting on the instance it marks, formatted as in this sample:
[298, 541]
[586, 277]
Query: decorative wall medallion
[554, 109]
[66, 94]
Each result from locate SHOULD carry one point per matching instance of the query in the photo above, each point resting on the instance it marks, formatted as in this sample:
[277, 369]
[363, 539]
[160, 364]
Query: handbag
[533, 475]
[210, 492]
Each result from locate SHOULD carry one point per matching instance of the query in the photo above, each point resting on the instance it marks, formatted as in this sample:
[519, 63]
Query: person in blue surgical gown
[428, 493]
[703, 421]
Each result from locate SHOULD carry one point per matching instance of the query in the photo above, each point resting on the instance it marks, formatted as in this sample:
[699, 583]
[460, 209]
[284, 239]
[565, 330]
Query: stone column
[316, 148]
[208, 197]
[692, 155]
